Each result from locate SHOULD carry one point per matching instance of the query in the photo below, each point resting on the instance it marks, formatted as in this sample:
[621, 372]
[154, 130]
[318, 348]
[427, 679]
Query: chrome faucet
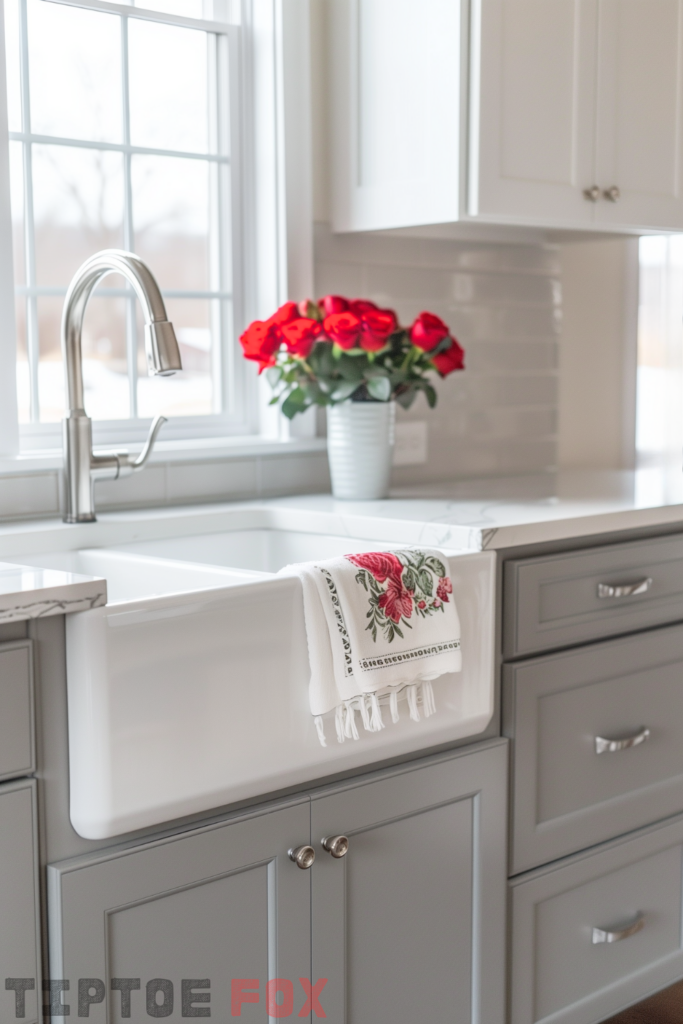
[82, 466]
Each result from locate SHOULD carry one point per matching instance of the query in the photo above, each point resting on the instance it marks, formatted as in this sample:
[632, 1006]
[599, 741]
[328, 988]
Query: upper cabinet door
[395, 127]
[532, 111]
[640, 112]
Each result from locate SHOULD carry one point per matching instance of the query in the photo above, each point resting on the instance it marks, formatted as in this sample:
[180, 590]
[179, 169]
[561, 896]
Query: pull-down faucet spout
[81, 465]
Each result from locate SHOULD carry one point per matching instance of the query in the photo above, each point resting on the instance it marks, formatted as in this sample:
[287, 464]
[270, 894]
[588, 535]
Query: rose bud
[309, 309]
[260, 342]
[284, 314]
[427, 331]
[452, 359]
[342, 328]
[333, 304]
[362, 306]
[377, 325]
[300, 336]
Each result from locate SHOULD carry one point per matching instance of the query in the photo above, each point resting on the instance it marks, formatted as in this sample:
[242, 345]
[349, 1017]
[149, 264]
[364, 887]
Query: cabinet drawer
[16, 709]
[565, 794]
[19, 905]
[560, 971]
[559, 600]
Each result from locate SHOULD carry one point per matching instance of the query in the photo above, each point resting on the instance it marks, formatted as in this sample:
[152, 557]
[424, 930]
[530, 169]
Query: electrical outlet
[410, 447]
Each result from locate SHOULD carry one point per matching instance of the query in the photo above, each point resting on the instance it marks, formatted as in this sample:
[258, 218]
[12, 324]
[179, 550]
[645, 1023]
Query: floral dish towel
[380, 627]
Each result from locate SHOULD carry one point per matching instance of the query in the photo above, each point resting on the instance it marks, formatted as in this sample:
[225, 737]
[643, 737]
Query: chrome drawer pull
[605, 746]
[617, 934]
[625, 589]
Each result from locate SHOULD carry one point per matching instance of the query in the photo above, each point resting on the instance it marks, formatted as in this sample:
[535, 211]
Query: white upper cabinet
[396, 120]
[547, 113]
[640, 113]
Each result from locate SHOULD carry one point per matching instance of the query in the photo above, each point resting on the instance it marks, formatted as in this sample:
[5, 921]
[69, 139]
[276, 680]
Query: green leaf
[294, 403]
[380, 388]
[426, 584]
[437, 567]
[350, 369]
[406, 398]
[409, 579]
[431, 395]
[344, 390]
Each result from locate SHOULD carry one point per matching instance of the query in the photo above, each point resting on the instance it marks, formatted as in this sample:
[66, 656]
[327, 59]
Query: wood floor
[664, 1008]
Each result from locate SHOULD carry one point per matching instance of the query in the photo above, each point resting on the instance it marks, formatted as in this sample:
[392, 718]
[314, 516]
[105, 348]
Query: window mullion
[32, 340]
[128, 235]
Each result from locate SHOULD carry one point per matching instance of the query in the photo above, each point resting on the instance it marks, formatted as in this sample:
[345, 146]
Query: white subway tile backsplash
[503, 303]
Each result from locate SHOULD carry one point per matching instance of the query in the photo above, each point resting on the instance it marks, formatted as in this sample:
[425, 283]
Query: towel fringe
[393, 706]
[350, 729]
[320, 729]
[364, 712]
[376, 721]
[339, 722]
[411, 696]
[428, 703]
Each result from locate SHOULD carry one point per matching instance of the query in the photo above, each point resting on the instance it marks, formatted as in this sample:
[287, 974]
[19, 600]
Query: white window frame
[271, 216]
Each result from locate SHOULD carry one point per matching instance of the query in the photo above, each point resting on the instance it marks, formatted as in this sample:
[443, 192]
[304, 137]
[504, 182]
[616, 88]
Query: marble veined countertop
[30, 593]
[486, 514]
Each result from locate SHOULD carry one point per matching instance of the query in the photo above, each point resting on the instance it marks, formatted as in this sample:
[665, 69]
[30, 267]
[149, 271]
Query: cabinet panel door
[396, 112]
[220, 903]
[532, 96]
[19, 901]
[409, 925]
[640, 108]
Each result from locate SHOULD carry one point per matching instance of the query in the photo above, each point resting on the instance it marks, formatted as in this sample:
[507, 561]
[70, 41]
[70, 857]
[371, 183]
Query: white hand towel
[379, 625]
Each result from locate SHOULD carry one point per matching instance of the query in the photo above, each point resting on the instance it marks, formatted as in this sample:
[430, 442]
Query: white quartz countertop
[30, 593]
[486, 514]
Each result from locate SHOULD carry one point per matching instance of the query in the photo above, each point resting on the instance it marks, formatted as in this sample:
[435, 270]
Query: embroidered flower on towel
[398, 584]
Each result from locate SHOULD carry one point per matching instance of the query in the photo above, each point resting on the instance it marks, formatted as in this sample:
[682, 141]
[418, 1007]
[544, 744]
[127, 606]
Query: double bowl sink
[188, 690]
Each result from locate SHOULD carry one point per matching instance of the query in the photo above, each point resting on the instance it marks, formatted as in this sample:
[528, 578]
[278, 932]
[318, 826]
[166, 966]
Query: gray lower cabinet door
[19, 903]
[219, 911]
[410, 925]
[599, 931]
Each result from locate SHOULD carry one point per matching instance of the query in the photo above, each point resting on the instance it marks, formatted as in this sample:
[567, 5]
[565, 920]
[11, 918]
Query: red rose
[342, 328]
[396, 601]
[427, 331]
[284, 314]
[376, 327]
[383, 565]
[333, 304]
[300, 335]
[444, 588]
[260, 342]
[452, 359]
[362, 306]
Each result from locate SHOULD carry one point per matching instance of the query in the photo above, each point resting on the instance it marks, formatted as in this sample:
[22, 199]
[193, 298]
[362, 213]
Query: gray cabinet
[19, 902]
[211, 905]
[410, 924]
[560, 600]
[599, 931]
[597, 744]
[16, 709]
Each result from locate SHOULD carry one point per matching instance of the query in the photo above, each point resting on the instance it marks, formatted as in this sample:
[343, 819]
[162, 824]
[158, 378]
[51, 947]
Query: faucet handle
[128, 464]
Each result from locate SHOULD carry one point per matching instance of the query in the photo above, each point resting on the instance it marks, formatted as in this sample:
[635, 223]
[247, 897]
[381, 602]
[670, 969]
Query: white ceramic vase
[360, 445]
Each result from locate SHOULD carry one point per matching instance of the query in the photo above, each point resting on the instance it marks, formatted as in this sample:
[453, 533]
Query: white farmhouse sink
[189, 690]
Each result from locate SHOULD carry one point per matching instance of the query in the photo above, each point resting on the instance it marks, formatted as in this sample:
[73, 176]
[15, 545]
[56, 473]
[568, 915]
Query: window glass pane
[75, 72]
[23, 379]
[78, 208]
[171, 219]
[168, 87]
[186, 8]
[105, 373]
[12, 63]
[189, 393]
[16, 176]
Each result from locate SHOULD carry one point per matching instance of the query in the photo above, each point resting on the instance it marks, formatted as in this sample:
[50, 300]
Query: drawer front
[597, 743]
[19, 905]
[560, 600]
[16, 710]
[599, 932]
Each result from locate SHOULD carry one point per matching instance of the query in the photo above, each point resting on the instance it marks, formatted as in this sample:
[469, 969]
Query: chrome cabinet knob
[592, 194]
[303, 856]
[338, 846]
[613, 194]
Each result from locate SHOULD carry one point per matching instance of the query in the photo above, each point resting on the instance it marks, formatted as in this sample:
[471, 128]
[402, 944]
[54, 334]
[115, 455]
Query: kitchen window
[124, 132]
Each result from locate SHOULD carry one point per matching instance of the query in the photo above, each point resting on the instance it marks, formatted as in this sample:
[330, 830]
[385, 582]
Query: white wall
[598, 354]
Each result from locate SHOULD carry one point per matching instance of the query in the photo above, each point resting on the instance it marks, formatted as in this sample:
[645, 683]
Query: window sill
[205, 449]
